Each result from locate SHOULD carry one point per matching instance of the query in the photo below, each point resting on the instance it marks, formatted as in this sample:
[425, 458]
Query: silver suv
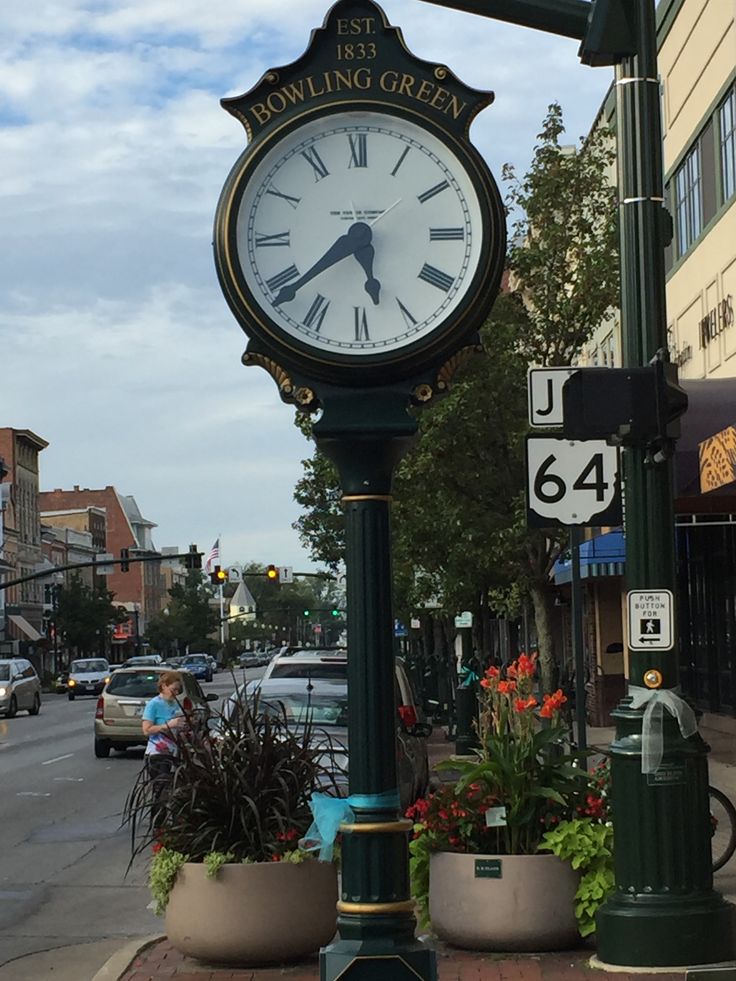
[412, 728]
[19, 687]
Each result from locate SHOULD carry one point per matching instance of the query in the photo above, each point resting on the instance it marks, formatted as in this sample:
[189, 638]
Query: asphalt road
[63, 853]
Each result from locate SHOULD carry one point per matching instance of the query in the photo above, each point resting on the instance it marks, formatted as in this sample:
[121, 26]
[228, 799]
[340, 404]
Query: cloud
[117, 345]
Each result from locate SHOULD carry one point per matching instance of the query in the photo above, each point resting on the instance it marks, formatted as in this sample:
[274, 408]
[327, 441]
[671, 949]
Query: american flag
[213, 557]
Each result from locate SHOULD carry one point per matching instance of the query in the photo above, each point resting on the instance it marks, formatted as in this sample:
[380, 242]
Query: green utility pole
[664, 911]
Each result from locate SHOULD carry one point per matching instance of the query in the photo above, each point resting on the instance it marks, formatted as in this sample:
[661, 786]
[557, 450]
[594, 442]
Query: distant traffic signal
[335, 613]
[124, 564]
[218, 576]
[307, 613]
[272, 573]
[193, 559]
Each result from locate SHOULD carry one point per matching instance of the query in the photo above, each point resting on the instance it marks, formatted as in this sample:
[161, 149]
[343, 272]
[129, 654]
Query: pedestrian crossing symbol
[650, 620]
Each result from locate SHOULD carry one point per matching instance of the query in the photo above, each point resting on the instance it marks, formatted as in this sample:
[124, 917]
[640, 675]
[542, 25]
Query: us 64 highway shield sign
[572, 483]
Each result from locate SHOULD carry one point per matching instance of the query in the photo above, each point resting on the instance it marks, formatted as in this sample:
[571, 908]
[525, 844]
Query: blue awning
[604, 555]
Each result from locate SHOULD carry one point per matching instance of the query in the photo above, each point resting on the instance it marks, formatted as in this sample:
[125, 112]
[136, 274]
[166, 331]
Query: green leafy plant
[240, 792]
[164, 870]
[520, 784]
[587, 845]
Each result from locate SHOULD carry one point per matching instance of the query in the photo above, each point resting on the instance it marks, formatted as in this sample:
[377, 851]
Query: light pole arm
[566, 17]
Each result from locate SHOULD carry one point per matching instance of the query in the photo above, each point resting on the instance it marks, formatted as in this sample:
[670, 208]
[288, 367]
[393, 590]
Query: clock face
[357, 234]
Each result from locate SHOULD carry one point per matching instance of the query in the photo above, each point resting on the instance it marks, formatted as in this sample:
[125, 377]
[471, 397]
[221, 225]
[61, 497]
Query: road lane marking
[68, 779]
[56, 759]
[30, 793]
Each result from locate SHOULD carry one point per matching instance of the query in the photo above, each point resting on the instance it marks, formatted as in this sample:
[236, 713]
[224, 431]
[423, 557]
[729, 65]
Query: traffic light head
[124, 564]
[635, 406]
[218, 576]
[335, 613]
[307, 613]
[272, 573]
[193, 559]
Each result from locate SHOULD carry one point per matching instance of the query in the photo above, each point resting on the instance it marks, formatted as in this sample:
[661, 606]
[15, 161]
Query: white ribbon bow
[656, 700]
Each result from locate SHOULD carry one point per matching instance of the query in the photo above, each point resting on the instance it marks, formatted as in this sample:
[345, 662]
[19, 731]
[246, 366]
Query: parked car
[147, 660]
[325, 701]
[309, 662]
[199, 666]
[120, 706]
[87, 676]
[20, 688]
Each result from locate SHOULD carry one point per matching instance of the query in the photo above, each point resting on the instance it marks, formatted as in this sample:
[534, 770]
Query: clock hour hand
[365, 256]
[357, 236]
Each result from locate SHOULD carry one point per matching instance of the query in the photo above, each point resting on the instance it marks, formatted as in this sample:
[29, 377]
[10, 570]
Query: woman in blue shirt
[162, 717]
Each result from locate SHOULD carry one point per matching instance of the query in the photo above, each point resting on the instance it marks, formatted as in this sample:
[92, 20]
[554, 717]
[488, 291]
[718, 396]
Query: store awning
[604, 555]
[24, 626]
[711, 411]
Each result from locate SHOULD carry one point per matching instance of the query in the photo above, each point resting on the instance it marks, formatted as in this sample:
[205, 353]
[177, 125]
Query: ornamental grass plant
[240, 793]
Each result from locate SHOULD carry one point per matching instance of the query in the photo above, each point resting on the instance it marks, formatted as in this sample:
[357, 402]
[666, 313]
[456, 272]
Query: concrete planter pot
[503, 902]
[253, 914]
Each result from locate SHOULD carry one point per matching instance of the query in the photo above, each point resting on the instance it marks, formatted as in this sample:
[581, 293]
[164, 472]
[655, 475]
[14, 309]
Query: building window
[727, 129]
[688, 203]
[607, 351]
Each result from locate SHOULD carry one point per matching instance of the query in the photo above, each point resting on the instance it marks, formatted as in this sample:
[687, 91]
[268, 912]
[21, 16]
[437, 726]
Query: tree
[85, 614]
[189, 619]
[564, 264]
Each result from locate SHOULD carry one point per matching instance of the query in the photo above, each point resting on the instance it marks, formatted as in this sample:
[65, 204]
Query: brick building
[142, 589]
[21, 607]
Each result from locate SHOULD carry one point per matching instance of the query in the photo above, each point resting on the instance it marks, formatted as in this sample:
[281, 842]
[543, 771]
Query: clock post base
[367, 960]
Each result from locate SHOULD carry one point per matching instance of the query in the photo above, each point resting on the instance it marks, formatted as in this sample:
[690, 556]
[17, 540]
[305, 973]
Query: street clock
[360, 237]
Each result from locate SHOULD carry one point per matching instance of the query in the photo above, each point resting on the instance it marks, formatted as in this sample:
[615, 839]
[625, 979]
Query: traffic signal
[335, 613]
[218, 576]
[307, 613]
[124, 564]
[193, 559]
[635, 406]
[272, 573]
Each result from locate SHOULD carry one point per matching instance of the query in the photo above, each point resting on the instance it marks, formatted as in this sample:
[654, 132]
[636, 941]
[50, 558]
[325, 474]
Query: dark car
[198, 665]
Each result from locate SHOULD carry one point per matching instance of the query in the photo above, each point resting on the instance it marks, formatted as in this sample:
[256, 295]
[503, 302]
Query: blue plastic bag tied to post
[656, 701]
[329, 813]
[467, 676]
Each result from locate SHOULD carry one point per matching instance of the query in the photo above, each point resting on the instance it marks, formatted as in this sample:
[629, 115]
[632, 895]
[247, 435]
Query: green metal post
[366, 434]
[664, 911]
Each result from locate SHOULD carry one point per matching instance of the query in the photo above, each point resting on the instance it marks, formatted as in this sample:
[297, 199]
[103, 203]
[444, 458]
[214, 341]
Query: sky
[116, 345]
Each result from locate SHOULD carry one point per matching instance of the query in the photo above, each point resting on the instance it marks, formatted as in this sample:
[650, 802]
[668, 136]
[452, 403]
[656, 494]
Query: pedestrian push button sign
[650, 620]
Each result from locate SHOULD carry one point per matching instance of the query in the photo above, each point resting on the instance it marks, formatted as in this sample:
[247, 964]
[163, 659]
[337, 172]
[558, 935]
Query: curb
[122, 959]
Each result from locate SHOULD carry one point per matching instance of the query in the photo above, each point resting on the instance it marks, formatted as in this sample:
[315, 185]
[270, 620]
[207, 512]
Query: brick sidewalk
[160, 961]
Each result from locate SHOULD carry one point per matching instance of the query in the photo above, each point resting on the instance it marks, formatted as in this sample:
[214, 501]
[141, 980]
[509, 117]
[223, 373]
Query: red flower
[156, 847]
[522, 704]
[492, 672]
[552, 704]
[506, 687]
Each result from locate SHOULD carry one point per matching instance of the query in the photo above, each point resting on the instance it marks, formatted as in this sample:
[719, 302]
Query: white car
[87, 676]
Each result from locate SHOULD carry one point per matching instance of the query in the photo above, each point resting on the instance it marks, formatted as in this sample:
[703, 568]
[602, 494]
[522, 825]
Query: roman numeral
[316, 313]
[408, 319]
[435, 277]
[282, 278]
[294, 202]
[446, 234]
[400, 160]
[280, 238]
[430, 193]
[361, 324]
[315, 162]
[358, 150]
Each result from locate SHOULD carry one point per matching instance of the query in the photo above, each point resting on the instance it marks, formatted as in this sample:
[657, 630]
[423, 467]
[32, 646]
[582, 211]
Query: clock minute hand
[356, 237]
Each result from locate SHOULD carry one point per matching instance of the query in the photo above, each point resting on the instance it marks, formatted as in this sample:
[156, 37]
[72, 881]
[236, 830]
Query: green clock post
[359, 242]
